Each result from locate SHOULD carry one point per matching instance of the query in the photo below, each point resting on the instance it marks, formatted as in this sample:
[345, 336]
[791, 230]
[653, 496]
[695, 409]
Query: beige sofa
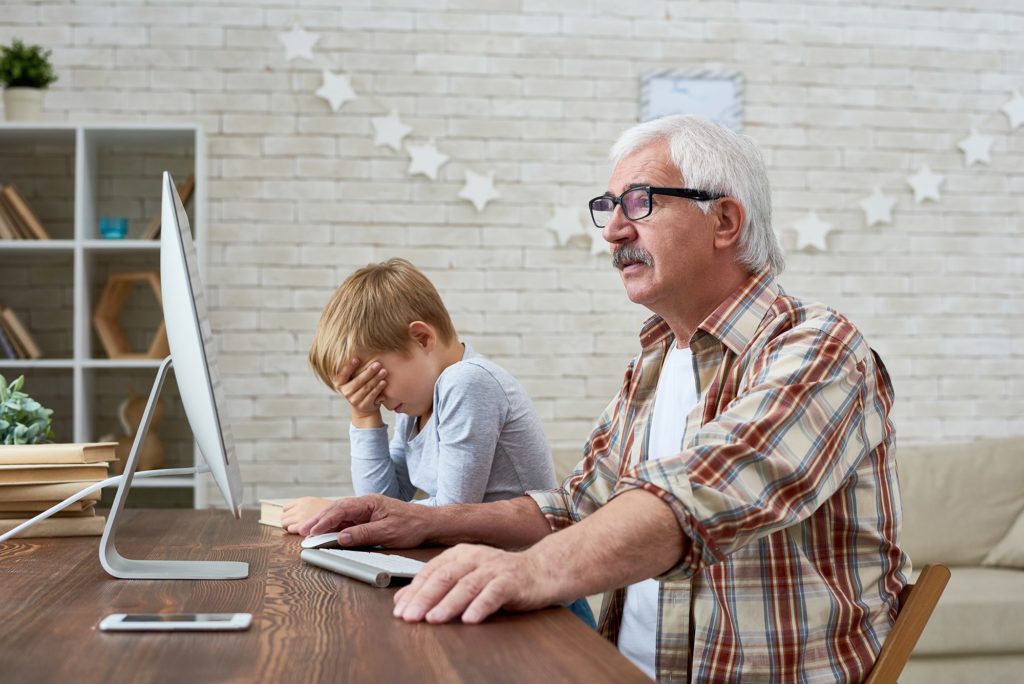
[963, 507]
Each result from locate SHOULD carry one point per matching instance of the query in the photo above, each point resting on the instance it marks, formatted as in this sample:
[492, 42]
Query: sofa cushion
[1003, 667]
[981, 611]
[1009, 552]
[959, 500]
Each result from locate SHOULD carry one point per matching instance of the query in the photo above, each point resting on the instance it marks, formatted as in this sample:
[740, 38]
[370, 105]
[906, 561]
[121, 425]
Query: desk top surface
[308, 624]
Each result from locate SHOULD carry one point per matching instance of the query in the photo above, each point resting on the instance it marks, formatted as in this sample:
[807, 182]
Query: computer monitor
[194, 359]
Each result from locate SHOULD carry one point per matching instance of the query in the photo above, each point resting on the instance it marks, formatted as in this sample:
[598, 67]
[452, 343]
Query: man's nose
[619, 227]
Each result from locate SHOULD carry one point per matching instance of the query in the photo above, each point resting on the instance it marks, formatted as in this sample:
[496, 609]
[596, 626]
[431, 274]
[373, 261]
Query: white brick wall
[841, 98]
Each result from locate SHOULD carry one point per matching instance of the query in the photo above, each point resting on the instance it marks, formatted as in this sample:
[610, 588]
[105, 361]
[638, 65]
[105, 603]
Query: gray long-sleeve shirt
[483, 442]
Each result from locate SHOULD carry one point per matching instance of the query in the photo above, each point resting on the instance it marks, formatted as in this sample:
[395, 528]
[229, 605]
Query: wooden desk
[309, 625]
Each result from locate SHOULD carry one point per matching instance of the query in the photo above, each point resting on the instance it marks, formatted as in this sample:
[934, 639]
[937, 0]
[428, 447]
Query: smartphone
[148, 622]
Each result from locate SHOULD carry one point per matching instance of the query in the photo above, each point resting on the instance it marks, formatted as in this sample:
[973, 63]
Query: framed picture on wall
[717, 95]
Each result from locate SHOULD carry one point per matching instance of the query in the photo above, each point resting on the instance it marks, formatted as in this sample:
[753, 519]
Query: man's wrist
[509, 524]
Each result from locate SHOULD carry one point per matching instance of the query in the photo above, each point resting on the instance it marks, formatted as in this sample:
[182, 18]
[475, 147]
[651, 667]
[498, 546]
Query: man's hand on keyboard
[474, 581]
[372, 519]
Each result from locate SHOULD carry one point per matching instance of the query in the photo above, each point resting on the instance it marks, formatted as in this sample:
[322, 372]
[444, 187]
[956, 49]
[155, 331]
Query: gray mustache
[628, 254]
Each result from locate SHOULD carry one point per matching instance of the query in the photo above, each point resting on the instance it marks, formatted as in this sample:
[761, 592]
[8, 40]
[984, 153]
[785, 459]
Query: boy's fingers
[374, 394]
[345, 374]
[363, 377]
[364, 396]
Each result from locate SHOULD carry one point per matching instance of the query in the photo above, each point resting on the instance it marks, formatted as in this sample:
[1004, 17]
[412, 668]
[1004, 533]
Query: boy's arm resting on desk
[375, 519]
[591, 556]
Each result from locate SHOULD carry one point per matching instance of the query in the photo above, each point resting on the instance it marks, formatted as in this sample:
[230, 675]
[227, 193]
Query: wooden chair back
[917, 601]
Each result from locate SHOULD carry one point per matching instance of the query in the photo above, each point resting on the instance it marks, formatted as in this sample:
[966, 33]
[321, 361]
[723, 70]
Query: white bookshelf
[36, 157]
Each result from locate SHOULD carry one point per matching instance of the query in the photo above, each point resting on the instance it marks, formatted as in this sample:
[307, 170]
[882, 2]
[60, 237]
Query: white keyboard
[399, 566]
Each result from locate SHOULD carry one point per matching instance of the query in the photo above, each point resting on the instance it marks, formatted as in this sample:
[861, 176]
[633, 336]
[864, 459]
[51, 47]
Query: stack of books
[17, 221]
[37, 476]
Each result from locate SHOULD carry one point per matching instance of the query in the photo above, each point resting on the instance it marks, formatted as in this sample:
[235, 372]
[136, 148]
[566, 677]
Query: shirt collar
[735, 320]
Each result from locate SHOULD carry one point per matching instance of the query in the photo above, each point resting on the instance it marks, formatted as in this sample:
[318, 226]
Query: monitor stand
[128, 568]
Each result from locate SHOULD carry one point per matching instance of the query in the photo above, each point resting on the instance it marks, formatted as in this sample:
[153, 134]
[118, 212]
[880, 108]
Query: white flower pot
[23, 104]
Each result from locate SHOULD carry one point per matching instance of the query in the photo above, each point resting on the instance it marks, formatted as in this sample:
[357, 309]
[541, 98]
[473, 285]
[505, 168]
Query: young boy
[465, 430]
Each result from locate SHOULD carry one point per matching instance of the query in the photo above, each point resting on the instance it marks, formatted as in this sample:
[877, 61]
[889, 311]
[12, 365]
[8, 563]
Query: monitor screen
[193, 352]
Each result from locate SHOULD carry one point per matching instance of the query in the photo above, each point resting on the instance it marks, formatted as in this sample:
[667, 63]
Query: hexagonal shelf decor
[115, 295]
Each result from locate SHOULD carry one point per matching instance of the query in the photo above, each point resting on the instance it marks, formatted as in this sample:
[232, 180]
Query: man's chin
[638, 288]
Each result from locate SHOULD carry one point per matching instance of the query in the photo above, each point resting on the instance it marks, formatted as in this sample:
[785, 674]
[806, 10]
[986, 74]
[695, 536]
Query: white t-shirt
[676, 397]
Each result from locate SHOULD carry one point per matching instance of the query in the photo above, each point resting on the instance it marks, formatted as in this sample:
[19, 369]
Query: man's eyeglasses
[636, 202]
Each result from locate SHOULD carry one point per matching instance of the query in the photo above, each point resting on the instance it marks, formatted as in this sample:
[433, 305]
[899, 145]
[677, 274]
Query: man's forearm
[633, 537]
[511, 524]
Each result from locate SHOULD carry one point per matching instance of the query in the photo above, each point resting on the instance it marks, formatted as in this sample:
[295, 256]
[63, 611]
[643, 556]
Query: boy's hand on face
[362, 389]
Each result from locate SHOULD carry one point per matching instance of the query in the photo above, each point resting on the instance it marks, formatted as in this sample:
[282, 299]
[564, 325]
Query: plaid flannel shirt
[785, 485]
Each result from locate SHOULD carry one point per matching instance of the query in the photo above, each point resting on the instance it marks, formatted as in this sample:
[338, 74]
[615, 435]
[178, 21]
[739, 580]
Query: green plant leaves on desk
[23, 420]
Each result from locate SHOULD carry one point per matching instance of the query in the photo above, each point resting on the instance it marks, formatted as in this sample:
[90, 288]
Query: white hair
[715, 159]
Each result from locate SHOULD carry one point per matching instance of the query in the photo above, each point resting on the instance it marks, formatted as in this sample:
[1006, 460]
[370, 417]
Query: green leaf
[23, 420]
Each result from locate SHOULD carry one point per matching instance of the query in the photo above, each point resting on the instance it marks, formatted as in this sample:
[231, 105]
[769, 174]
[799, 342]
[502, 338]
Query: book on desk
[271, 510]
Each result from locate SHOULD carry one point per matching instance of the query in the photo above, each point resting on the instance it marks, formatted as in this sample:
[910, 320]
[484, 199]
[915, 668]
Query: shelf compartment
[125, 167]
[39, 161]
[38, 286]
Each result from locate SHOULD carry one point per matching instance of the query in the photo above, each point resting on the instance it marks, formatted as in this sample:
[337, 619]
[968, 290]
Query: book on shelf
[7, 349]
[185, 189]
[14, 509]
[19, 351]
[57, 491]
[17, 331]
[271, 510]
[8, 229]
[10, 221]
[47, 473]
[84, 452]
[83, 526]
[27, 221]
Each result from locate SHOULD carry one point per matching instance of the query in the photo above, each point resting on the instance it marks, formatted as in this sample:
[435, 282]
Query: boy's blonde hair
[371, 313]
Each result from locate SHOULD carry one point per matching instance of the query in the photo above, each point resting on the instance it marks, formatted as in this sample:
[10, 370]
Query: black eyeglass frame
[685, 193]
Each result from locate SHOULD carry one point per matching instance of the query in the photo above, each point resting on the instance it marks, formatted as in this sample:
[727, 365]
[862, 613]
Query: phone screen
[178, 617]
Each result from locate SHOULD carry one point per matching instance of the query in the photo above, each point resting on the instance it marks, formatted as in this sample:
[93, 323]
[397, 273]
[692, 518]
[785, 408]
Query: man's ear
[423, 334]
[730, 215]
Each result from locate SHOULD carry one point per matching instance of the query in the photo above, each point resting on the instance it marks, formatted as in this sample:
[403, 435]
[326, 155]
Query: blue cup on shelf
[113, 227]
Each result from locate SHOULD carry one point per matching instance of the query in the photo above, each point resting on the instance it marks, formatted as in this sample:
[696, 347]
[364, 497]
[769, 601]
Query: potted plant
[23, 420]
[25, 70]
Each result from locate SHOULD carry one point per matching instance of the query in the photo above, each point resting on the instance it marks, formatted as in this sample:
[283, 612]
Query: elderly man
[738, 498]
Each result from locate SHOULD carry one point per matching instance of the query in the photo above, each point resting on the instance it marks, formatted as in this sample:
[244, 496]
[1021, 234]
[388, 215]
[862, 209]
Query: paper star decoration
[479, 189]
[1014, 110]
[389, 130]
[336, 89]
[877, 208]
[298, 43]
[566, 223]
[976, 147]
[426, 159]
[925, 184]
[811, 232]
